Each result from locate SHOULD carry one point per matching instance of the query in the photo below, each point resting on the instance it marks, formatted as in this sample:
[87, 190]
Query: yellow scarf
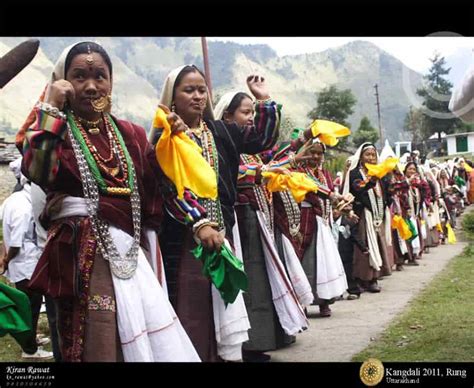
[381, 169]
[328, 132]
[298, 183]
[181, 160]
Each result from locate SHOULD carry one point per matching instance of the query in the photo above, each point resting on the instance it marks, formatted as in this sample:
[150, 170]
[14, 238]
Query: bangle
[51, 110]
[197, 224]
[264, 101]
[211, 224]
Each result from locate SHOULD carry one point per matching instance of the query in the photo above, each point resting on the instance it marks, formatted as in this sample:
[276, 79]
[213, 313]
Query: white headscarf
[355, 159]
[223, 104]
[167, 96]
[60, 65]
[57, 74]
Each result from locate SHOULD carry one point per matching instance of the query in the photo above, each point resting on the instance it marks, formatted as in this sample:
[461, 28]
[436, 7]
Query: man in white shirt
[22, 254]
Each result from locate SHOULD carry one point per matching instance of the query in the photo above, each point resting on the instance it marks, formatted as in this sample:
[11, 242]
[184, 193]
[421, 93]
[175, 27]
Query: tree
[286, 128]
[436, 94]
[334, 105]
[365, 133]
[415, 125]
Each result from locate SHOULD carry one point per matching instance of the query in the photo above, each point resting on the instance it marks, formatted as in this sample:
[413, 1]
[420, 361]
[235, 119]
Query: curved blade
[16, 59]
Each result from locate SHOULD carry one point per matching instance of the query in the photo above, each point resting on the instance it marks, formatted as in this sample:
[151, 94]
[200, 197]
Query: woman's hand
[303, 153]
[210, 238]
[279, 170]
[177, 124]
[258, 87]
[59, 93]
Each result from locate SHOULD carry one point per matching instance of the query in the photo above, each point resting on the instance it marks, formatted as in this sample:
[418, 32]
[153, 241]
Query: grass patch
[439, 325]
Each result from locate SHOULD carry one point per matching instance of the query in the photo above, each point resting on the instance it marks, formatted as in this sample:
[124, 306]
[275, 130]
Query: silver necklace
[121, 267]
[264, 204]
[293, 212]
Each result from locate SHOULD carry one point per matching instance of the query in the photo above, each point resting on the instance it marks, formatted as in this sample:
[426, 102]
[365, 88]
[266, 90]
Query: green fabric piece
[459, 181]
[412, 227]
[224, 270]
[296, 132]
[15, 314]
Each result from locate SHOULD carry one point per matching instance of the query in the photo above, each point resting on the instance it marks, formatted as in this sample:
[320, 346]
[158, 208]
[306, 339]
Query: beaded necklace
[376, 202]
[96, 161]
[205, 139]
[263, 196]
[325, 204]
[122, 267]
[414, 200]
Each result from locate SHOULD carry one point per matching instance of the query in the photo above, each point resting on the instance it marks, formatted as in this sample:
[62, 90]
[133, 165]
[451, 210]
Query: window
[461, 144]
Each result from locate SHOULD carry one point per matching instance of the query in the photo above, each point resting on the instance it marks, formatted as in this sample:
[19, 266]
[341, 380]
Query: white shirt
[19, 232]
[38, 202]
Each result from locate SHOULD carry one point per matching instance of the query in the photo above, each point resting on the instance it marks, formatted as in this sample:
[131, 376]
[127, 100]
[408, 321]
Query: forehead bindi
[88, 61]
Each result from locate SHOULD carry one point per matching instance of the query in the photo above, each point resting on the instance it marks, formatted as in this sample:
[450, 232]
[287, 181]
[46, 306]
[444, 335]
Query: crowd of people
[100, 227]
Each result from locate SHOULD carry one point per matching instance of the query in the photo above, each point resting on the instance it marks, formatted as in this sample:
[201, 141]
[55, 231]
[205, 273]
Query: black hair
[368, 145]
[85, 48]
[408, 165]
[186, 70]
[236, 101]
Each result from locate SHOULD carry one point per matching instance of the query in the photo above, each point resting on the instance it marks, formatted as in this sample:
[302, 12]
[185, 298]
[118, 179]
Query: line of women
[120, 257]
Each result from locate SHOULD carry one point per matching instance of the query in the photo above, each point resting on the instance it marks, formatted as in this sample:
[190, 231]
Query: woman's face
[317, 153]
[369, 156]
[91, 80]
[243, 115]
[411, 170]
[190, 97]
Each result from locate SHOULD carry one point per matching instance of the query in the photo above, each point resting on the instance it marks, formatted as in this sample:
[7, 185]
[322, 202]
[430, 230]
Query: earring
[102, 104]
[173, 107]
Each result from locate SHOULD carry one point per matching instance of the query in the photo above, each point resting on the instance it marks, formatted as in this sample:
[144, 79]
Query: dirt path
[353, 323]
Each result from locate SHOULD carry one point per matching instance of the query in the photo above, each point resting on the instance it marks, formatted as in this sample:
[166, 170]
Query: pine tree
[365, 133]
[436, 94]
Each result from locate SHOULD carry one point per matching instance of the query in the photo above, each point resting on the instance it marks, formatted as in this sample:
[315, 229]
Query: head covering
[167, 92]
[57, 74]
[167, 96]
[355, 163]
[223, 104]
[15, 167]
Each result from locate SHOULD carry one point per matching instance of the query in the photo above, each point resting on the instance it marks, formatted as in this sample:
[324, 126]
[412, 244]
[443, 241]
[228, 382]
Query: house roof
[460, 134]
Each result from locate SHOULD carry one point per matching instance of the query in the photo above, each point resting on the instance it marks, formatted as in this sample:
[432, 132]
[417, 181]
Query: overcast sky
[414, 52]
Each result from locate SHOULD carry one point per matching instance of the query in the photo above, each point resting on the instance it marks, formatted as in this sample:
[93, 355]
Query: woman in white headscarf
[100, 219]
[370, 203]
[216, 331]
[273, 304]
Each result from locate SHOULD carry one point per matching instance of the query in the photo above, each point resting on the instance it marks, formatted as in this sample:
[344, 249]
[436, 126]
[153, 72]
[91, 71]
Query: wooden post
[207, 70]
[378, 113]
